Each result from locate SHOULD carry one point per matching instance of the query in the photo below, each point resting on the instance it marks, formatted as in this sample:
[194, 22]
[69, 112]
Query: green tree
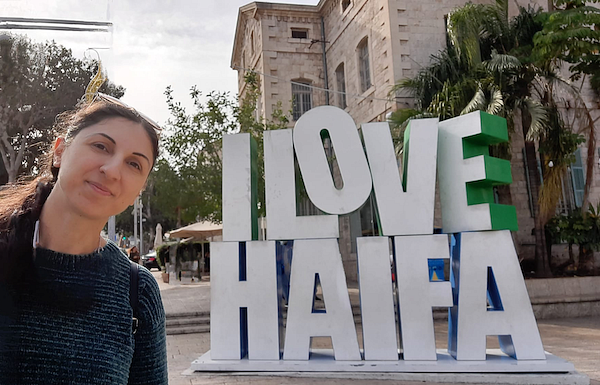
[245, 115]
[193, 150]
[37, 82]
[579, 229]
[571, 33]
[163, 196]
[160, 199]
[189, 177]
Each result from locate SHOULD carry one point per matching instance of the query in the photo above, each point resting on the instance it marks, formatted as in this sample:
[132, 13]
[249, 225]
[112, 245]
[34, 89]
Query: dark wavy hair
[21, 203]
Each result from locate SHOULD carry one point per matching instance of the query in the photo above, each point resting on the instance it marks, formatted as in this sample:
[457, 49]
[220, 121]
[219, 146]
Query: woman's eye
[100, 146]
[135, 165]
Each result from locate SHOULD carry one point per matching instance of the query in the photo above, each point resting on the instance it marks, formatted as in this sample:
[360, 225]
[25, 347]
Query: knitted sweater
[74, 325]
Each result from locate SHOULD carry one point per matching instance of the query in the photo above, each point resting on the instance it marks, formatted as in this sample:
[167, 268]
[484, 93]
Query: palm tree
[488, 66]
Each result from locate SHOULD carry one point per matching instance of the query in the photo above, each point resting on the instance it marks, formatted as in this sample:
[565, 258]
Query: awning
[201, 230]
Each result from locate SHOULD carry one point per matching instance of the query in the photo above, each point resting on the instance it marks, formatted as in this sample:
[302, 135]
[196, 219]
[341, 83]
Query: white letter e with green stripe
[467, 174]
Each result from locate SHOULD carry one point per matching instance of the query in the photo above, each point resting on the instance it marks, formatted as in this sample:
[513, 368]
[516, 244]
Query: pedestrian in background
[65, 312]
[134, 254]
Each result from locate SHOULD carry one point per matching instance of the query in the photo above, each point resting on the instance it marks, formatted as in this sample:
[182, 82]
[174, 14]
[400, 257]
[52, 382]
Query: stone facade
[400, 36]
[264, 44]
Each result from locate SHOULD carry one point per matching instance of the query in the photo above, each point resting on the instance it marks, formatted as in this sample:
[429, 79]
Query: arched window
[301, 98]
[364, 67]
[340, 81]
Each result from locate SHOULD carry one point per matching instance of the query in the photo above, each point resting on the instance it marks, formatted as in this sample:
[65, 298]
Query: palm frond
[539, 117]
[489, 100]
[502, 63]
[430, 80]
[477, 103]
[411, 85]
[464, 26]
[496, 103]
[401, 116]
[495, 23]
[447, 103]
[525, 25]
[421, 115]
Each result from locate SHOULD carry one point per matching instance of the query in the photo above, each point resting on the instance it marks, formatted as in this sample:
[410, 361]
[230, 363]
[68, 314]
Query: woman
[134, 254]
[65, 315]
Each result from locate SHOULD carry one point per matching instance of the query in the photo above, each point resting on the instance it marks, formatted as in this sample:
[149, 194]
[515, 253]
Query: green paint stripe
[254, 186]
[472, 149]
[478, 194]
[405, 150]
[376, 209]
[494, 130]
[503, 217]
[497, 171]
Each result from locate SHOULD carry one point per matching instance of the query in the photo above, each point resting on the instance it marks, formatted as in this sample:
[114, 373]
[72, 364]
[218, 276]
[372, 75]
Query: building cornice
[245, 12]
[250, 10]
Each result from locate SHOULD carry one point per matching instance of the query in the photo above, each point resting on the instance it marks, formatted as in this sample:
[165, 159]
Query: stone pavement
[574, 339]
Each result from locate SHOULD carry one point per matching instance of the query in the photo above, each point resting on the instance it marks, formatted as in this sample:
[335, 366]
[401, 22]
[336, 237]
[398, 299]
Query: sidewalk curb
[188, 314]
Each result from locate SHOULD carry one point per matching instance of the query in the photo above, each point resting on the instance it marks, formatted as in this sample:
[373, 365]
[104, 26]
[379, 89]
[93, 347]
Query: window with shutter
[363, 65]
[301, 98]
[578, 178]
[299, 33]
[340, 79]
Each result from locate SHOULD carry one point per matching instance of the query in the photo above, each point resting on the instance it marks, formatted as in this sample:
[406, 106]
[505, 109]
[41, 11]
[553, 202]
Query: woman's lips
[100, 189]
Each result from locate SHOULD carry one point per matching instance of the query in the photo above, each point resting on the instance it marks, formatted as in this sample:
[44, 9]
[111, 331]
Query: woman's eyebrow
[114, 142]
[106, 136]
[143, 156]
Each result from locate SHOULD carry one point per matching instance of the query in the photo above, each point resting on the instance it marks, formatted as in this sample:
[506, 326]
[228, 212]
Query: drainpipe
[324, 60]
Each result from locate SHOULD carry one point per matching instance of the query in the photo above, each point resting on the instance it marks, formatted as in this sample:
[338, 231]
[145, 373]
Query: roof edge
[238, 29]
[260, 5]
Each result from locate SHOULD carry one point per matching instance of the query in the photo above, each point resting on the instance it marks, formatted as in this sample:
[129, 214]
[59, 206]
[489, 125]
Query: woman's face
[103, 169]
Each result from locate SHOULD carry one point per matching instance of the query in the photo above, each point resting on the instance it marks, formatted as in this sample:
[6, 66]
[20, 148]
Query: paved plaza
[574, 339]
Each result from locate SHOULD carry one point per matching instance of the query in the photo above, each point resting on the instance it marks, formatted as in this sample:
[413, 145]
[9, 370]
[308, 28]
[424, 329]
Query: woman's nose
[112, 169]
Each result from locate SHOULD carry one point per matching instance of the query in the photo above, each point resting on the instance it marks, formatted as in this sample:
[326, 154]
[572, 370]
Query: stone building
[349, 53]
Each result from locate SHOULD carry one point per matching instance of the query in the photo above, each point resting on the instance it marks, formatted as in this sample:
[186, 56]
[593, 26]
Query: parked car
[149, 260]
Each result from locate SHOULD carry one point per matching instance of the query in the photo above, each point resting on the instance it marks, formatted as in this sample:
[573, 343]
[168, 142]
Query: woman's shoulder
[147, 280]
[114, 248]
[149, 295]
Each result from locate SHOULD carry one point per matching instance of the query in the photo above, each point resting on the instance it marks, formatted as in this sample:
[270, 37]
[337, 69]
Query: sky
[153, 44]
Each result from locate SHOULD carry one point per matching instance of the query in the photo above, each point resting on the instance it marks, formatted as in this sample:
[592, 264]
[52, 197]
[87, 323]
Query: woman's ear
[59, 149]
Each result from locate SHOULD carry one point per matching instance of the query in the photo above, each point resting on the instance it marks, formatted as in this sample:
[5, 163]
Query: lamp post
[141, 206]
[111, 228]
[135, 227]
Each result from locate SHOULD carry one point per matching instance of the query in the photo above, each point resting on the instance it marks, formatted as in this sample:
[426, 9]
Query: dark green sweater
[73, 326]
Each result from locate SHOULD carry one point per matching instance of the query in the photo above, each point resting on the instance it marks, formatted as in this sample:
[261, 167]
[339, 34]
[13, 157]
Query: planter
[564, 297]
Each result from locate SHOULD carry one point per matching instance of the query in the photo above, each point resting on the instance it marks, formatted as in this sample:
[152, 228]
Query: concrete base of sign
[321, 360]
[571, 378]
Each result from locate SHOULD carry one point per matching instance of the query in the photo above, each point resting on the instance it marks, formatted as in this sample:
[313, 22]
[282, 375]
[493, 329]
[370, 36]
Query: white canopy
[201, 230]
[158, 239]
